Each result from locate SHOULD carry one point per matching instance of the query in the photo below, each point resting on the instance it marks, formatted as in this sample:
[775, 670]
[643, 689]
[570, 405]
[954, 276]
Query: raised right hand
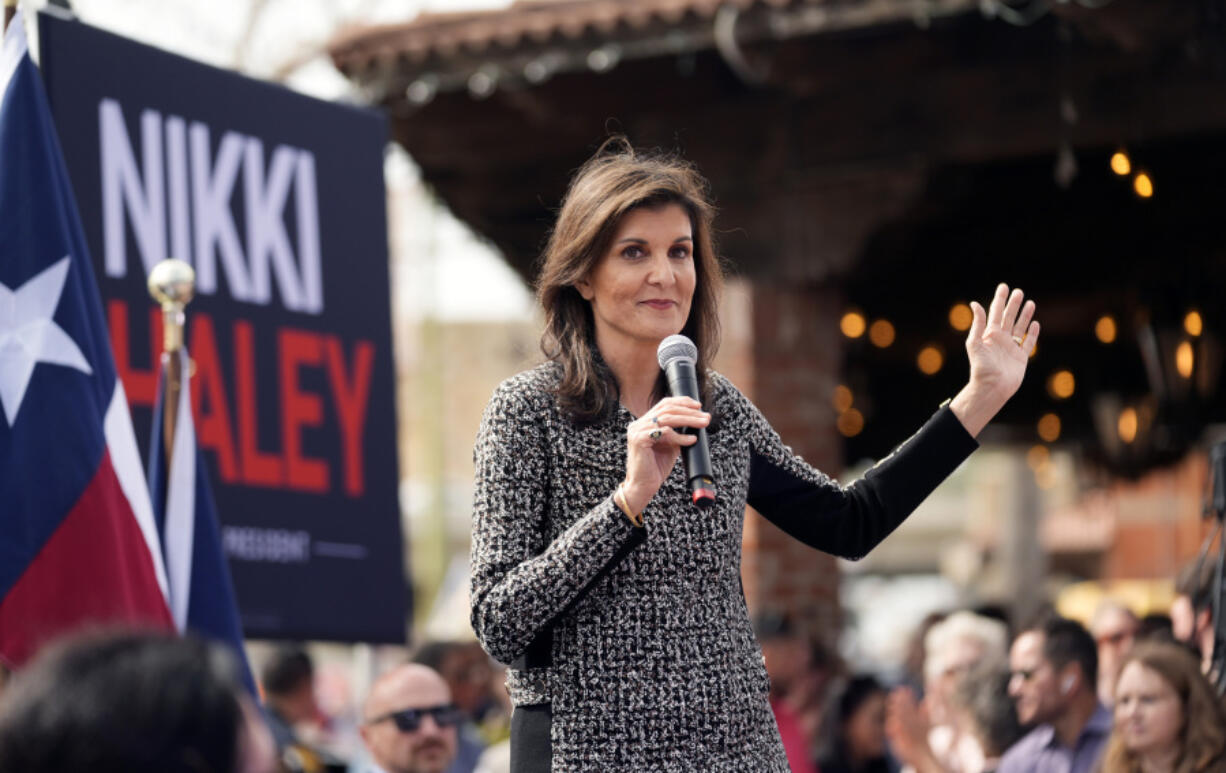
[650, 460]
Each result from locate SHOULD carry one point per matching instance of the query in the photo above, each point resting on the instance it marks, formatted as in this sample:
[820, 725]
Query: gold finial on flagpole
[172, 283]
[10, 10]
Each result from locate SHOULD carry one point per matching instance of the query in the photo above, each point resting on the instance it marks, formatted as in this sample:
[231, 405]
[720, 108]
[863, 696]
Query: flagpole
[201, 593]
[172, 283]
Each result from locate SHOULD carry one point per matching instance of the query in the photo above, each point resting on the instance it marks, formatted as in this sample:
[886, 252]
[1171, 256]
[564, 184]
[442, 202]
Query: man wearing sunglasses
[409, 722]
[1054, 670]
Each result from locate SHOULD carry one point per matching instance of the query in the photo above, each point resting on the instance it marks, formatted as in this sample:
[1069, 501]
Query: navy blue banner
[278, 202]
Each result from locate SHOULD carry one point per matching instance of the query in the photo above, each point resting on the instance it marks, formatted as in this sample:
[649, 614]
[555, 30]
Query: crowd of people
[123, 701]
[442, 710]
[1122, 694]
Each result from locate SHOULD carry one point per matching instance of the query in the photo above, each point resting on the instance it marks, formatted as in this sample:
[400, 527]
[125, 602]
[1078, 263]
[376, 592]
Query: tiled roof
[538, 24]
[524, 22]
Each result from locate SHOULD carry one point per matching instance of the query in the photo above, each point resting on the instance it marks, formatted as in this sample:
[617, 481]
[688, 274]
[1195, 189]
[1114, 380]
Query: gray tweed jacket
[637, 641]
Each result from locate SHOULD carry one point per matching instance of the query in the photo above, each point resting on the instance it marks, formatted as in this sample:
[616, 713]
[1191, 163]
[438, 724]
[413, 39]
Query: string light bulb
[850, 423]
[881, 333]
[1045, 476]
[1143, 185]
[1126, 425]
[1037, 456]
[1104, 329]
[1193, 323]
[843, 398]
[1120, 163]
[1049, 427]
[960, 317]
[930, 360]
[1185, 359]
[853, 324]
[1061, 384]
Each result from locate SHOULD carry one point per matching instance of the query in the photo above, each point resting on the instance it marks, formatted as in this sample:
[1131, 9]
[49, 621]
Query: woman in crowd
[938, 737]
[961, 642]
[978, 710]
[617, 602]
[858, 733]
[1167, 717]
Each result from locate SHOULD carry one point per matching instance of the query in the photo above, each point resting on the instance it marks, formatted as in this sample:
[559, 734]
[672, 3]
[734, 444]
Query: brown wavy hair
[613, 182]
[1202, 741]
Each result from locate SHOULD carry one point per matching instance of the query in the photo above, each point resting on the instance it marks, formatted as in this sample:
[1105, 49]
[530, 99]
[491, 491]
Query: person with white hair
[952, 647]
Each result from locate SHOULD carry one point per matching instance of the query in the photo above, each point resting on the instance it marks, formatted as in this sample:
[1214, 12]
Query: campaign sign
[277, 200]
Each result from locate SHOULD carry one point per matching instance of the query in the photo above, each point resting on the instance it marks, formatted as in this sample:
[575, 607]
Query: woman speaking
[615, 600]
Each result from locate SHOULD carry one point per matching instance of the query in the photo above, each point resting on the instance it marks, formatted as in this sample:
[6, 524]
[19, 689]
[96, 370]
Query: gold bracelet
[619, 499]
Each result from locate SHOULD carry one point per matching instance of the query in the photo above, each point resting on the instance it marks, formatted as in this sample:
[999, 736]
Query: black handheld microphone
[677, 355]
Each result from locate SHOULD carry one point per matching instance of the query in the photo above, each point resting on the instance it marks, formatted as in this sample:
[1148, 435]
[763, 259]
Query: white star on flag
[29, 336]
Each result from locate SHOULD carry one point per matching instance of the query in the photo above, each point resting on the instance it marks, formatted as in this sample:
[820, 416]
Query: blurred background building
[877, 165]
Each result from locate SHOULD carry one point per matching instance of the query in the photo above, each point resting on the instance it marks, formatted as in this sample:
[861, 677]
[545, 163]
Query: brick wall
[1158, 521]
[785, 342]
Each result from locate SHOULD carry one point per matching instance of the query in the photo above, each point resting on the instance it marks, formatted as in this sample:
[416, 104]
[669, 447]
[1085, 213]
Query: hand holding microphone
[676, 424]
[677, 356]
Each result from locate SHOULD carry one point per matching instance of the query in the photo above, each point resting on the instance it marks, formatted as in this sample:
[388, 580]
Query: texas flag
[201, 592]
[78, 544]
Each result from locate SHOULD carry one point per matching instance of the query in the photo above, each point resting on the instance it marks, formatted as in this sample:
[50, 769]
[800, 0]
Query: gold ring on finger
[655, 434]
[1018, 340]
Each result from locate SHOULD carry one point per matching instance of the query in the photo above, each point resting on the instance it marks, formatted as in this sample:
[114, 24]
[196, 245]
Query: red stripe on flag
[94, 570]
